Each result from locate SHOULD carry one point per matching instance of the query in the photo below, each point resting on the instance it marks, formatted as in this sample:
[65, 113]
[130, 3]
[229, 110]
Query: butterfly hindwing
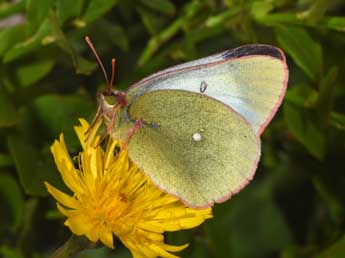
[193, 146]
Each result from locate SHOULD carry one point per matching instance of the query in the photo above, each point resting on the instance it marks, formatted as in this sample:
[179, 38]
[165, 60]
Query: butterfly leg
[112, 119]
[137, 125]
[95, 119]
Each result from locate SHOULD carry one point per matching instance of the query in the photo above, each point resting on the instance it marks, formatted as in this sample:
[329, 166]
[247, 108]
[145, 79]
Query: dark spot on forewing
[203, 86]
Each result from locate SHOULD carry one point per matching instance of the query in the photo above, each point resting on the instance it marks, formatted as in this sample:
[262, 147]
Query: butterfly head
[111, 99]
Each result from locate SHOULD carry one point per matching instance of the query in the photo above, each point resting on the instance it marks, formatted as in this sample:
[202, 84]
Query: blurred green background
[295, 206]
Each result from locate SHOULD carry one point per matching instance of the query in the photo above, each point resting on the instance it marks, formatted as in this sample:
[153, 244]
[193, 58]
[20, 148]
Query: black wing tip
[249, 50]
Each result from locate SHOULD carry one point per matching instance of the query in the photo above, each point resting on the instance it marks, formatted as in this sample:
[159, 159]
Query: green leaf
[66, 9]
[84, 66]
[11, 36]
[337, 250]
[316, 11]
[335, 23]
[196, 238]
[7, 9]
[278, 19]
[112, 32]
[32, 167]
[8, 252]
[190, 10]
[8, 114]
[25, 238]
[53, 215]
[81, 65]
[13, 197]
[30, 44]
[37, 12]
[66, 110]
[326, 94]
[329, 196]
[5, 160]
[118, 36]
[305, 51]
[223, 17]
[305, 130]
[152, 22]
[338, 120]
[156, 41]
[261, 8]
[162, 6]
[299, 94]
[30, 73]
[250, 220]
[97, 8]
[55, 114]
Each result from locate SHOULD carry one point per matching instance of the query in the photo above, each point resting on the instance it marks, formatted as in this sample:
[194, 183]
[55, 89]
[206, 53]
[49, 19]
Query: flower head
[111, 196]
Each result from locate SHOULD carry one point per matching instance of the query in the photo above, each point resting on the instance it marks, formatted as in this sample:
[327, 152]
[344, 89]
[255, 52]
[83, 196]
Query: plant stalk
[72, 247]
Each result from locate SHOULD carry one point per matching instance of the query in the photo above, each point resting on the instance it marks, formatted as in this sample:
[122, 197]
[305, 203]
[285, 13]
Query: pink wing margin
[281, 96]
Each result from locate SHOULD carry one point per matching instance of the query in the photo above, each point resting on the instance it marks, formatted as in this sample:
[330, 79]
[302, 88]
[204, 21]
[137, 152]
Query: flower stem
[72, 247]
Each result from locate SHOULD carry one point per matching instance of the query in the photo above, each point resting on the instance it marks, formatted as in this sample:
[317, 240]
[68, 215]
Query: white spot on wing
[197, 137]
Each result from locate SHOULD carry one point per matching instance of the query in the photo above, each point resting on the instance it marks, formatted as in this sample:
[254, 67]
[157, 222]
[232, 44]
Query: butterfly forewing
[251, 80]
[193, 146]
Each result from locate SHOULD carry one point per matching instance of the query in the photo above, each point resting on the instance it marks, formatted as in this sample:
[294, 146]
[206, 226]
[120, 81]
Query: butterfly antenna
[110, 86]
[89, 42]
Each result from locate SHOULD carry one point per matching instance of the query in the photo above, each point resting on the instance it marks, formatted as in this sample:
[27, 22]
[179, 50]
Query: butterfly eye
[112, 97]
[110, 100]
[106, 98]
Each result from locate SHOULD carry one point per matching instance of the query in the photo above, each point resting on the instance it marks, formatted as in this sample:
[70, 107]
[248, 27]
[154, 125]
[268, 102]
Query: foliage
[295, 207]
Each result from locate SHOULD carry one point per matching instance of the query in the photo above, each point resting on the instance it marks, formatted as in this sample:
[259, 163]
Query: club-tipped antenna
[110, 85]
[89, 42]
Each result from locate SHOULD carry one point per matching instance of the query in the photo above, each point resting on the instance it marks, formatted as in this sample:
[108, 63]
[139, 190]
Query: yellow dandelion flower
[111, 196]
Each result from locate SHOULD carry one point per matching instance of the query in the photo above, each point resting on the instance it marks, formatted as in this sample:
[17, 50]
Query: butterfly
[194, 129]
